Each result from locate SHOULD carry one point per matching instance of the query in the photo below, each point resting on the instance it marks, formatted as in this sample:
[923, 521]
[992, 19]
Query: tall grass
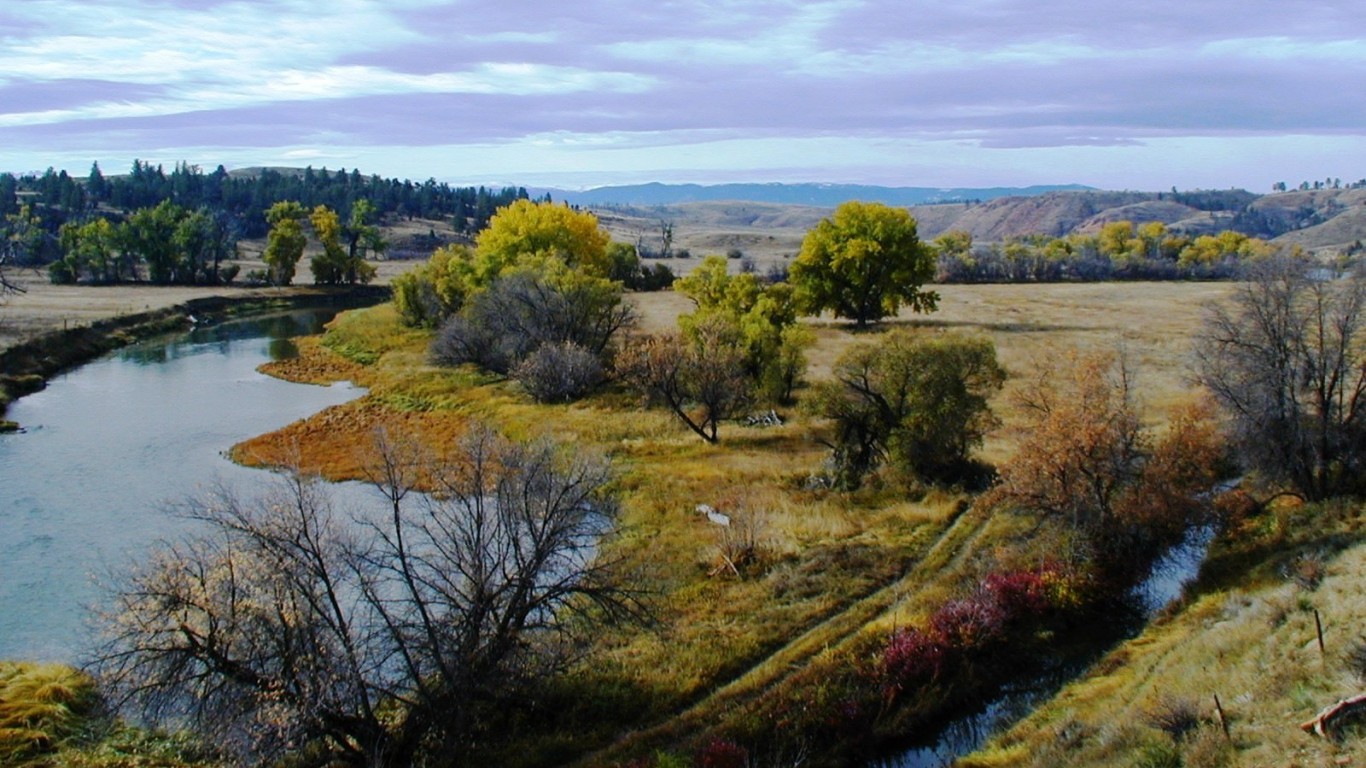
[41, 706]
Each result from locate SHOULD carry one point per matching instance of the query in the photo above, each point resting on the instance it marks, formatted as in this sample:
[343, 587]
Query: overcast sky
[575, 93]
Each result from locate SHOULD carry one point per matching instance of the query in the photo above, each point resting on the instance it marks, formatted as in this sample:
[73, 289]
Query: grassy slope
[838, 567]
[1247, 635]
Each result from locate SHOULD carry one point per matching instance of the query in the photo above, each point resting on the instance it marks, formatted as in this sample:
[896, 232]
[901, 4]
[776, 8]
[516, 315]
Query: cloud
[600, 81]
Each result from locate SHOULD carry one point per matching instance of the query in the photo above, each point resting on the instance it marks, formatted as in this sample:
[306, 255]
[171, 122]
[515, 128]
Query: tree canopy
[286, 241]
[528, 229]
[916, 401]
[864, 263]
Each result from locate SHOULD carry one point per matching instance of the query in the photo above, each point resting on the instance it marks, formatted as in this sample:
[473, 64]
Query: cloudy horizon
[1210, 94]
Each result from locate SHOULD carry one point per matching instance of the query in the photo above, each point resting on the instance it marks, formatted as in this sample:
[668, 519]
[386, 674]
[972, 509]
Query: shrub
[969, 624]
[461, 341]
[656, 277]
[559, 373]
[912, 658]
[918, 401]
[721, 753]
[1018, 594]
[527, 308]
[1175, 715]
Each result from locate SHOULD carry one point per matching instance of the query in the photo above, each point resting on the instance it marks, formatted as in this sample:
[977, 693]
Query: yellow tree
[864, 263]
[286, 241]
[335, 265]
[527, 229]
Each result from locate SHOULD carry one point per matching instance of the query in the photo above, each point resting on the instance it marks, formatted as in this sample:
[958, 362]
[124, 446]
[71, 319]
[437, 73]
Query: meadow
[833, 572]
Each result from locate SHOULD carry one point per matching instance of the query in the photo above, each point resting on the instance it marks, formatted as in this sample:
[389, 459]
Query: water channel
[107, 445]
[1165, 583]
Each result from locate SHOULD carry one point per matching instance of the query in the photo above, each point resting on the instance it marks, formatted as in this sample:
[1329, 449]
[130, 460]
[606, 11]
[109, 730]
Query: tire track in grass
[948, 550]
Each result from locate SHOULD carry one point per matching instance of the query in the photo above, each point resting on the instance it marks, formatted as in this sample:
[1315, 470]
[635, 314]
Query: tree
[89, 249]
[916, 400]
[286, 241]
[285, 627]
[336, 265]
[699, 377]
[363, 236]
[1086, 461]
[429, 293]
[761, 319]
[1285, 361]
[150, 234]
[529, 307]
[527, 229]
[863, 264]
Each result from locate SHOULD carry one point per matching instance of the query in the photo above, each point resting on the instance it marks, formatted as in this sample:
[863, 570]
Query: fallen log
[1323, 721]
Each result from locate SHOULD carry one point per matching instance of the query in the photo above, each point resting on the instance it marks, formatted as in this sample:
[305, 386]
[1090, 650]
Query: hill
[822, 195]
[1328, 220]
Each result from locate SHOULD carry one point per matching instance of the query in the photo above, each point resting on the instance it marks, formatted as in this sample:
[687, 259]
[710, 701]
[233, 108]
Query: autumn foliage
[1087, 462]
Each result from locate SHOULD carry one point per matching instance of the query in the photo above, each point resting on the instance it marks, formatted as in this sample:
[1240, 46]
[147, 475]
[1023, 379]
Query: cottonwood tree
[864, 263]
[284, 626]
[919, 401]
[762, 318]
[527, 229]
[285, 242]
[1286, 361]
[336, 265]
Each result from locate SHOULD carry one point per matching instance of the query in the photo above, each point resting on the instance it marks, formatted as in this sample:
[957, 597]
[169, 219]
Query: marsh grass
[42, 706]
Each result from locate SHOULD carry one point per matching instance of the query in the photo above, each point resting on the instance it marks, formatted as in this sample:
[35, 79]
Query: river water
[1166, 582]
[83, 490]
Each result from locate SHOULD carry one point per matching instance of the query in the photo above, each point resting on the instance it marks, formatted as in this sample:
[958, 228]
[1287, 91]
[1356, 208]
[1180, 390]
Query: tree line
[1121, 250]
[34, 207]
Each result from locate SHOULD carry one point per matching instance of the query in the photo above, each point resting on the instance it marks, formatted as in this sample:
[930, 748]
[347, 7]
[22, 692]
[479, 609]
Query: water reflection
[108, 443]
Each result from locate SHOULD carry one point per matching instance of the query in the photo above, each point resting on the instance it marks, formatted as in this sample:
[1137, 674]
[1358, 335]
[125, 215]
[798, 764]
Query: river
[107, 445]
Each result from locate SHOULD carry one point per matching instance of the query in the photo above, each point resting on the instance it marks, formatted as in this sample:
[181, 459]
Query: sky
[581, 93]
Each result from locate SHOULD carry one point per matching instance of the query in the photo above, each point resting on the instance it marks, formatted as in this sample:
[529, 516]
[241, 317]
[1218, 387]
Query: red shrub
[912, 658]
[720, 753]
[968, 625]
[1018, 595]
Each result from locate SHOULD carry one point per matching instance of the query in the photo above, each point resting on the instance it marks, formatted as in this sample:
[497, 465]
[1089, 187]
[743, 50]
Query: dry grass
[1254, 646]
[836, 569]
[41, 705]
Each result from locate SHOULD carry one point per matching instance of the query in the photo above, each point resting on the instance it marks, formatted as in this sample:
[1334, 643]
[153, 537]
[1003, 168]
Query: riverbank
[26, 365]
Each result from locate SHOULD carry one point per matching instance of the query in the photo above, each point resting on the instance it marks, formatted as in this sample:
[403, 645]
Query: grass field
[837, 569]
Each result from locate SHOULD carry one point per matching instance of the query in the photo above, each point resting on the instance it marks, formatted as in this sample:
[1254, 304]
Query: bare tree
[1287, 364]
[702, 380]
[284, 626]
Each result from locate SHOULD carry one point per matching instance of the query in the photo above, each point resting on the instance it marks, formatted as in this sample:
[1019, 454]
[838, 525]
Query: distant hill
[1328, 220]
[820, 195]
